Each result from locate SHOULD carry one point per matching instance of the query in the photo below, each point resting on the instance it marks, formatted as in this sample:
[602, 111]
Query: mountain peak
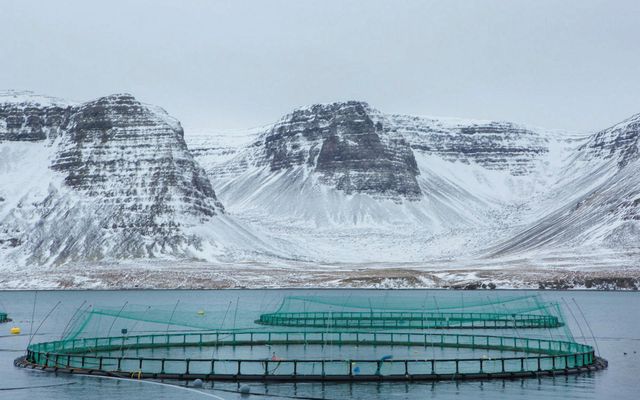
[335, 105]
[121, 96]
[117, 98]
[338, 107]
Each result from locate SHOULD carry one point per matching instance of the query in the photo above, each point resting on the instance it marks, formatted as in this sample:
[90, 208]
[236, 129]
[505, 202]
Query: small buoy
[200, 312]
[15, 330]
[245, 389]
[197, 383]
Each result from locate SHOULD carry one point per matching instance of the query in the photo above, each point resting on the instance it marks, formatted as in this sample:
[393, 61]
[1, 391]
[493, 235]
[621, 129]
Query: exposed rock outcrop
[128, 186]
[29, 118]
[347, 145]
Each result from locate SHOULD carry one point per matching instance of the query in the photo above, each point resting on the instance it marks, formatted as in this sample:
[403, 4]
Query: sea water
[613, 320]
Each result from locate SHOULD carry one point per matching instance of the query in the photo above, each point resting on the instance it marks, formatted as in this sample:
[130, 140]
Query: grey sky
[233, 64]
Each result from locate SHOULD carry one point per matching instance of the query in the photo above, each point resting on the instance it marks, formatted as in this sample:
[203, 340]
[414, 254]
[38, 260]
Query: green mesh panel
[394, 312]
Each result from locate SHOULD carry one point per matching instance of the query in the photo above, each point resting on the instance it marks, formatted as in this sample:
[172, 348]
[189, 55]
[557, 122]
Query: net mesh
[428, 312]
[136, 318]
[353, 311]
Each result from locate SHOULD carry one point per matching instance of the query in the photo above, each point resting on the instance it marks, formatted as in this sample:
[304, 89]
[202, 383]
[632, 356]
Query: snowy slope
[110, 179]
[595, 203]
[453, 188]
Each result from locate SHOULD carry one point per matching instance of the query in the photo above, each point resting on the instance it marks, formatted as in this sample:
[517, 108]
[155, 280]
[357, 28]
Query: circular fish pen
[508, 312]
[245, 356]
[408, 320]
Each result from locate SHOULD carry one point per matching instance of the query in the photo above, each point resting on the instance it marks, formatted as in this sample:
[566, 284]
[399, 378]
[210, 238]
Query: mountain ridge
[479, 168]
[115, 179]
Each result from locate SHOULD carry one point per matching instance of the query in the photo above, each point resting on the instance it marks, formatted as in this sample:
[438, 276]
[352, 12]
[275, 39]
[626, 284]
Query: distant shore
[196, 275]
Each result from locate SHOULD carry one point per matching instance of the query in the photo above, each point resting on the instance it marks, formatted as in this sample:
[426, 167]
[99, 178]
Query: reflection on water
[613, 316]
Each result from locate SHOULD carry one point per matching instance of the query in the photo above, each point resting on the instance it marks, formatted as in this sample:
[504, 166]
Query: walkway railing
[83, 356]
[407, 320]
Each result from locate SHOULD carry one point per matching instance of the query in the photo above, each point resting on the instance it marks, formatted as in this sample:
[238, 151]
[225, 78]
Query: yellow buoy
[15, 330]
[200, 312]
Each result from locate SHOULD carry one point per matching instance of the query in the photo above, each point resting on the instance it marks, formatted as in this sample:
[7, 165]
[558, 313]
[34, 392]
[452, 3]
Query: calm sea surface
[614, 318]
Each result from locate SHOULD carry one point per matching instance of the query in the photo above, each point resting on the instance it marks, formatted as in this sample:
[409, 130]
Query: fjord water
[614, 318]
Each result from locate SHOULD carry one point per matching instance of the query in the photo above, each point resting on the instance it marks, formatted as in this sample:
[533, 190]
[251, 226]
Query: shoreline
[199, 276]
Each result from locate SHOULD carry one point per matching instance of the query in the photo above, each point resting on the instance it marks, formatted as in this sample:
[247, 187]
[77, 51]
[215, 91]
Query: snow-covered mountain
[596, 201]
[113, 179]
[366, 186]
[109, 179]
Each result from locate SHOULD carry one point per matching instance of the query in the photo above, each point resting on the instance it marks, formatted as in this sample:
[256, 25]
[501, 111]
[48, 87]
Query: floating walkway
[409, 320]
[141, 357]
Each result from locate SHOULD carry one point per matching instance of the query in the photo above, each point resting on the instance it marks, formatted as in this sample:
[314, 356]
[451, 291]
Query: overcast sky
[231, 64]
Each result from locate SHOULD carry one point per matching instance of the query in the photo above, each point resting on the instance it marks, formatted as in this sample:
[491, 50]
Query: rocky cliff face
[29, 118]
[122, 182]
[621, 141]
[499, 146]
[347, 146]
[354, 148]
[128, 154]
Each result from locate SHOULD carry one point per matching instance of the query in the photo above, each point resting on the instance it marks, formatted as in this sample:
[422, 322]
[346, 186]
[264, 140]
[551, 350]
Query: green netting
[3, 317]
[235, 313]
[429, 313]
[387, 334]
[354, 311]
[391, 301]
[101, 320]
